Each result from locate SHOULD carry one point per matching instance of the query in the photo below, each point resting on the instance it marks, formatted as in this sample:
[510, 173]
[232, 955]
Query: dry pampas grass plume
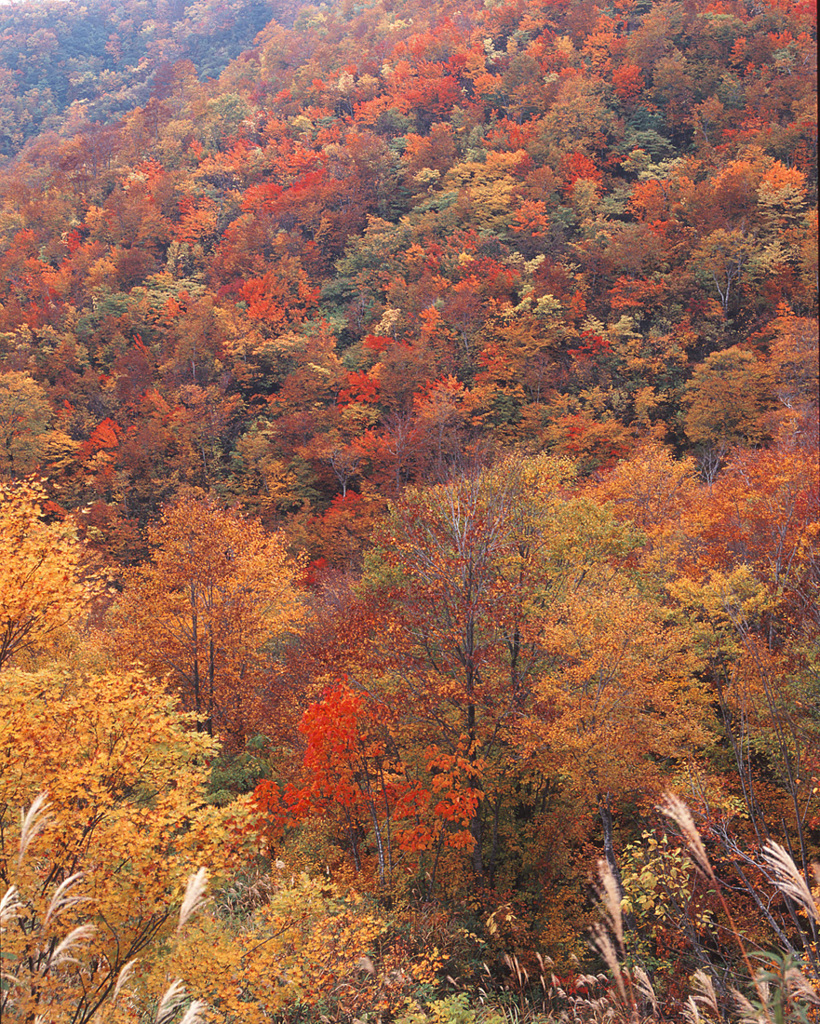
[194, 899]
[788, 878]
[63, 899]
[172, 999]
[673, 807]
[32, 822]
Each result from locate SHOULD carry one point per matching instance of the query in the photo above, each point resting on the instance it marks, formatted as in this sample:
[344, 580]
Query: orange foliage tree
[207, 609]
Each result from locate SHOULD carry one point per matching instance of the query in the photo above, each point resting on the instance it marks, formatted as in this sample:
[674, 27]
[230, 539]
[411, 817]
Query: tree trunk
[195, 641]
[605, 814]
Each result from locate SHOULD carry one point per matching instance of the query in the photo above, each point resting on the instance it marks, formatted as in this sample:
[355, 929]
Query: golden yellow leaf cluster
[93, 874]
[43, 585]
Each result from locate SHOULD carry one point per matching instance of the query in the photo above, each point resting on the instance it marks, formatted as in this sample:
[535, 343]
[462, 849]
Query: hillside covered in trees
[408, 476]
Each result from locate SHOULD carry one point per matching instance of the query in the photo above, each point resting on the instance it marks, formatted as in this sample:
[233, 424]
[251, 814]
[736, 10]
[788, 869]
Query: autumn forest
[409, 512]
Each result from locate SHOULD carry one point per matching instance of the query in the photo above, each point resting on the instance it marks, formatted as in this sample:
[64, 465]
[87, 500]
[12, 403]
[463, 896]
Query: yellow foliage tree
[624, 702]
[727, 398]
[310, 944]
[116, 823]
[25, 414]
[43, 585]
